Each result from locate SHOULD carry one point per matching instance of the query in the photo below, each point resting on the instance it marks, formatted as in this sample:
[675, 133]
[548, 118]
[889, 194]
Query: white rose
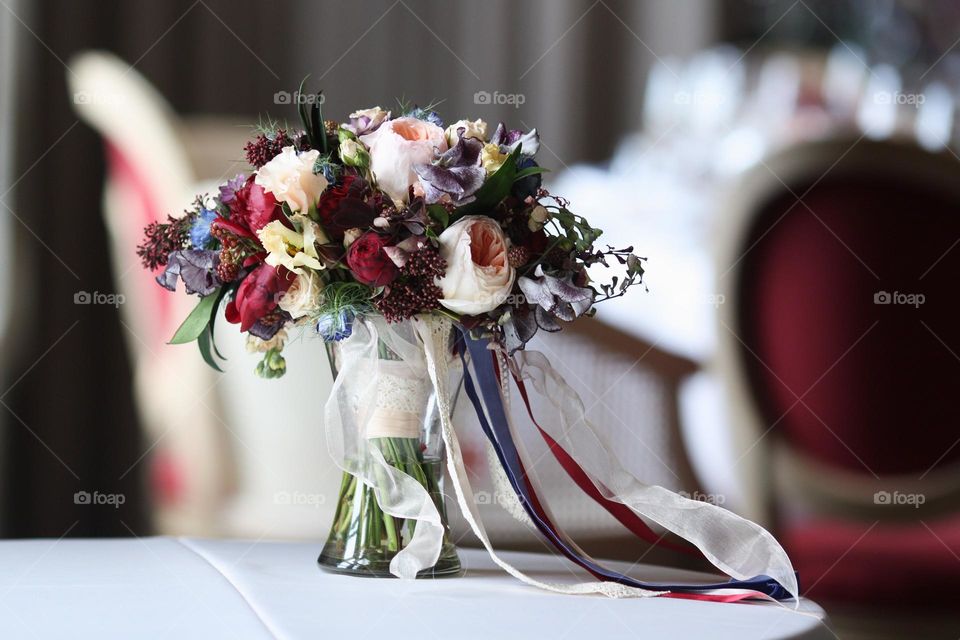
[479, 276]
[476, 129]
[290, 178]
[303, 296]
[398, 145]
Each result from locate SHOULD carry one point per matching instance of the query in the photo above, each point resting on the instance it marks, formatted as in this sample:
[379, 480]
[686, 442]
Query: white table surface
[190, 588]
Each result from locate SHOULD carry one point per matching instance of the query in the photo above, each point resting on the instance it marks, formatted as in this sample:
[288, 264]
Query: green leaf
[495, 189]
[198, 319]
[302, 108]
[318, 131]
[439, 213]
[213, 319]
[529, 171]
[205, 341]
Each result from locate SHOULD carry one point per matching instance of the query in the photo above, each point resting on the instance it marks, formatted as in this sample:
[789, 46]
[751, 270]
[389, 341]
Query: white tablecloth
[189, 588]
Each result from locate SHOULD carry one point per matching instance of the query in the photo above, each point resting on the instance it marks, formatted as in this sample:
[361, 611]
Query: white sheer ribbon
[435, 334]
[356, 412]
[735, 545]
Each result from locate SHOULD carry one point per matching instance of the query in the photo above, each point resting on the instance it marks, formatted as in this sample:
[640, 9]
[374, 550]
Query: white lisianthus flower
[479, 276]
[290, 178]
[304, 295]
[366, 120]
[396, 146]
[291, 249]
[476, 129]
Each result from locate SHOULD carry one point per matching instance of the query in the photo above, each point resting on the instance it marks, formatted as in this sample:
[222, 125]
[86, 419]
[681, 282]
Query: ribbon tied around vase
[755, 561]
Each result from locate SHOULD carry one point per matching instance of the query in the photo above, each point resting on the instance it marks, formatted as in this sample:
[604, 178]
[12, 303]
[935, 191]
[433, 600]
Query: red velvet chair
[848, 388]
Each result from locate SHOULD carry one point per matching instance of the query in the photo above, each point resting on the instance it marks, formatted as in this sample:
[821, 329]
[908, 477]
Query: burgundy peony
[251, 209]
[258, 295]
[368, 261]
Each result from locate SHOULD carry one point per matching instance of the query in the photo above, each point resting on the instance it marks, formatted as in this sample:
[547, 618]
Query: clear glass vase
[363, 538]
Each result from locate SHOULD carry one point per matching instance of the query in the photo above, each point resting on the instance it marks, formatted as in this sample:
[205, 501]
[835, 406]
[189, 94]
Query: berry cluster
[232, 254]
[265, 148]
[406, 299]
[163, 238]
[415, 290]
[425, 262]
[518, 256]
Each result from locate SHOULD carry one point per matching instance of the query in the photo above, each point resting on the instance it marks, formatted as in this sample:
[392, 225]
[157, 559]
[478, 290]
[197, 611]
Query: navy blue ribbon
[497, 431]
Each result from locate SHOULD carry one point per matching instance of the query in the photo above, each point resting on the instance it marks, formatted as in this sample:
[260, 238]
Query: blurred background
[789, 169]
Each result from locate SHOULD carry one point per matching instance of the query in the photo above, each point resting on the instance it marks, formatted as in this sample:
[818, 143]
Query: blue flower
[429, 116]
[200, 231]
[334, 327]
[528, 185]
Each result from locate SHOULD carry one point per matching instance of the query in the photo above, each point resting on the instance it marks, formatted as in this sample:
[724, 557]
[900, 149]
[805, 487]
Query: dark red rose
[251, 210]
[536, 242]
[344, 206]
[368, 261]
[258, 295]
[329, 205]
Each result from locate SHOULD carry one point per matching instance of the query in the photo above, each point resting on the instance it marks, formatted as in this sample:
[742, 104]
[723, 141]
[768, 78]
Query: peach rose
[479, 276]
[396, 146]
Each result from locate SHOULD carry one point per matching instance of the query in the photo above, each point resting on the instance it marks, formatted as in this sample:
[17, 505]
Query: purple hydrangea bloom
[266, 331]
[555, 297]
[228, 192]
[458, 173]
[550, 299]
[196, 267]
[508, 140]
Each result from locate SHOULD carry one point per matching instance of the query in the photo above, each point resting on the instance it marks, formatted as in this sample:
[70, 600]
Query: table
[188, 588]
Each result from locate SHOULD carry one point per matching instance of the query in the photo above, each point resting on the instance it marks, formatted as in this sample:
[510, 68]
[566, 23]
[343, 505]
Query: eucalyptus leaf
[205, 341]
[213, 320]
[529, 171]
[302, 108]
[198, 320]
[439, 213]
[317, 130]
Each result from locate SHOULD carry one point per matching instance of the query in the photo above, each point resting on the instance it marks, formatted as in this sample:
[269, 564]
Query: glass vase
[363, 538]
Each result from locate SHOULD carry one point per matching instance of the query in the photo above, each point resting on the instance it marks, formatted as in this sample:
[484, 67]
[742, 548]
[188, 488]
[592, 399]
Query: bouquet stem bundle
[364, 538]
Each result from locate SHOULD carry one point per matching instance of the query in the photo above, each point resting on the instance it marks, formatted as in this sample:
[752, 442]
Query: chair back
[148, 177]
[839, 334]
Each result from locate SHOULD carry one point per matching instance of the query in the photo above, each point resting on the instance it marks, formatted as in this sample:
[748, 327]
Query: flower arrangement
[417, 251]
[394, 215]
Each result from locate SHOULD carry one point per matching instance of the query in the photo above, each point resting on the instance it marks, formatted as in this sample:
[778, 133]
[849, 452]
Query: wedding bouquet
[417, 250]
[394, 216]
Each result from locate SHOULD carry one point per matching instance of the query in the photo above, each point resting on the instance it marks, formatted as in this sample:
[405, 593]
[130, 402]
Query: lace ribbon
[361, 378]
[737, 546]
